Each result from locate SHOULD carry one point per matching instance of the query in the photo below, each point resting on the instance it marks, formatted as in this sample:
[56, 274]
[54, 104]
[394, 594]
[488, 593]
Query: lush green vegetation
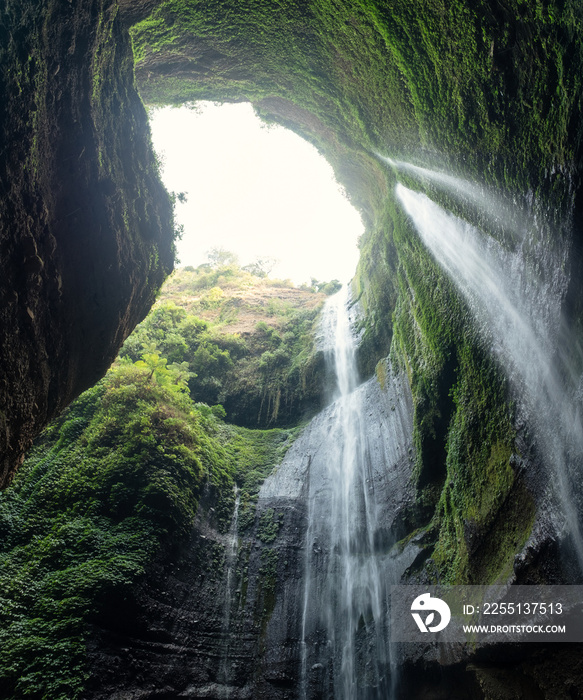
[123, 470]
[78, 175]
[242, 341]
[463, 414]
[462, 427]
[491, 87]
[488, 88]
[120, 473]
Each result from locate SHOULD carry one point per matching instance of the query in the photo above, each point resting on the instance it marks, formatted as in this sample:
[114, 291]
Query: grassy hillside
[245, 342]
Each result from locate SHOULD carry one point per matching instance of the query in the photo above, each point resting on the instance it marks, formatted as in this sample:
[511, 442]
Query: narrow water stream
[230, 566]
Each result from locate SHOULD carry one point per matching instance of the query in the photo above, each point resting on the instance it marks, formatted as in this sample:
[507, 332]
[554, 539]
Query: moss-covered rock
[488, 90]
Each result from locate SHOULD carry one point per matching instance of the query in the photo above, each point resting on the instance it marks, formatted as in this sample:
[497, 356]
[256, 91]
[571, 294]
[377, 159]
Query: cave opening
[255, 189]
[97, 530]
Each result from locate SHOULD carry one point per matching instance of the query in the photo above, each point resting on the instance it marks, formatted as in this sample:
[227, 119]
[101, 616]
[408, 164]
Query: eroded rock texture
[229, 615]
[225, 617]
[85, 225]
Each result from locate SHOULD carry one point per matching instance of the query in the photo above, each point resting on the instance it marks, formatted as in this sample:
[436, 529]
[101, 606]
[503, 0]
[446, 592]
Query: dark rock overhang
[85, 225]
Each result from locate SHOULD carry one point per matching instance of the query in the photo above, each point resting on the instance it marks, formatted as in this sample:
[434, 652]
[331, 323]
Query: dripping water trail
[307, 589]
[230, 564]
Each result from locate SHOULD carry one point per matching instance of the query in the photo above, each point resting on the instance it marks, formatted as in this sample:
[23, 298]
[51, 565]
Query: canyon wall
[488, 92]
[85, 225]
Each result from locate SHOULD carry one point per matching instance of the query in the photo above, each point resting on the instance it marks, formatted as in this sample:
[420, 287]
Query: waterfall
[344, 618]
[452, 184]
[231, 550]
[516, 302]
[498, 211]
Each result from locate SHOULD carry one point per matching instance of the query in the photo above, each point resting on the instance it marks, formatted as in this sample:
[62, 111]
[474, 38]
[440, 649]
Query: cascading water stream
[497, 210]
[519, 314]
[230, 565]
[344, 632]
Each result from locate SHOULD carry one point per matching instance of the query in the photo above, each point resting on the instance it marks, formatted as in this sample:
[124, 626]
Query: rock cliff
[489, 91]
[85, 226]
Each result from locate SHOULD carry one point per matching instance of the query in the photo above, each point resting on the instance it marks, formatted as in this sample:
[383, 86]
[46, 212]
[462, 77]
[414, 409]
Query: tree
[181, 197]
[174, 376]
[262, 266]
[219, 257]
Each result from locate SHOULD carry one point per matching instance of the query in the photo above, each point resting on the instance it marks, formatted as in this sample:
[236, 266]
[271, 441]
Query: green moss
[496, 481]
[492, 91]
[462, 424]
[266, 588]
[256, 453]
[119, 472]
[268, 569]
[381, 372]
[492, 84]
[269, 526]
[505, 538]
[242, 572]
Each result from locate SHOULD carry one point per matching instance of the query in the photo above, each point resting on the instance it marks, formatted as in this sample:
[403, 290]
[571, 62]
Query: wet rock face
[194, 630]
[85, 225]
[223, 617]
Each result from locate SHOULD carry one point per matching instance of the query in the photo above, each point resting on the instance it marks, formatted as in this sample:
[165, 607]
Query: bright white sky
[254, 190]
